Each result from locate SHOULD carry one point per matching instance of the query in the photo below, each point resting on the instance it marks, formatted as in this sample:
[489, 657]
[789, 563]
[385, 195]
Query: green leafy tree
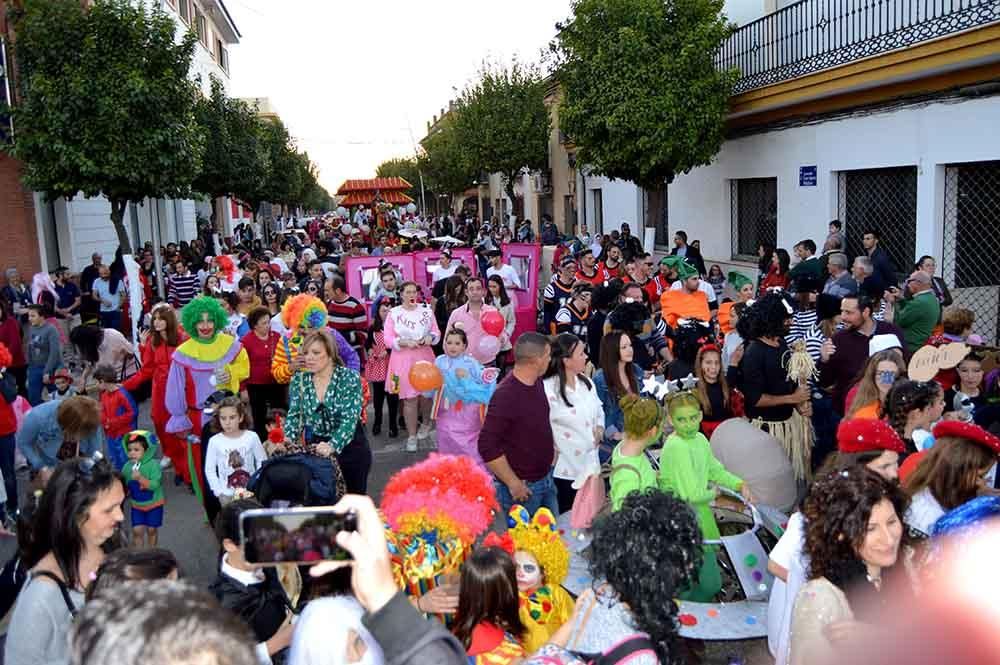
[443, 162]
[235, 160]
[105, 103]
[407, 168]
[642, 98]
[281, 180]
[502, 123]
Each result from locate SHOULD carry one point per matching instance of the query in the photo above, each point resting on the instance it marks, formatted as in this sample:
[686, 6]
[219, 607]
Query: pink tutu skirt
[400, 362]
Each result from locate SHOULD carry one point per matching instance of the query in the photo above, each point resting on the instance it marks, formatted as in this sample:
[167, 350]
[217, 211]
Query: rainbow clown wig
[197, 308]
[539, 536]
[303, 312]
[435, 511]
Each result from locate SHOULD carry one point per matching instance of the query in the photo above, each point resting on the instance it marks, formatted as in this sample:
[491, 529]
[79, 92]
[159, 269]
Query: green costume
[628, 474]
[687, 466]
[146, 493]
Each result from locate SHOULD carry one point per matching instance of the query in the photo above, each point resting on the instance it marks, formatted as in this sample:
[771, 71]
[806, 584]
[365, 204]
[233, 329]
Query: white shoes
[411, 444]
[424, 431]
[165, 463]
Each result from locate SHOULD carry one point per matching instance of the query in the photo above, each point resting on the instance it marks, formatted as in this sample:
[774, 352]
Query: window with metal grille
[972, 242]
[184, 10]
[884, 200]
[754, 208]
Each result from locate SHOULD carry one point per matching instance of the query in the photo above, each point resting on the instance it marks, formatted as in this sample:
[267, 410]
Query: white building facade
[69, 232]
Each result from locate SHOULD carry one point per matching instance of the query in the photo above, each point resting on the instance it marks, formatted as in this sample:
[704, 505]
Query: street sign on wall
[807, 176]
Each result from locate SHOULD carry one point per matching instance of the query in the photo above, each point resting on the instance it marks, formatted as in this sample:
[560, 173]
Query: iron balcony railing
[813, 35]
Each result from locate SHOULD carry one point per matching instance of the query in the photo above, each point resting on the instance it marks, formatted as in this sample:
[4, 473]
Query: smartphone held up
[294, 535]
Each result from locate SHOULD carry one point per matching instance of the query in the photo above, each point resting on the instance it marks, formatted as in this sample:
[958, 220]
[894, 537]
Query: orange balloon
[425, 376]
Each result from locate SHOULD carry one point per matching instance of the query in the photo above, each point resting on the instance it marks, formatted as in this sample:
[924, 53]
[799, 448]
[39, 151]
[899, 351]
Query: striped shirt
[182, 289]
[803, 321]
[349, 319]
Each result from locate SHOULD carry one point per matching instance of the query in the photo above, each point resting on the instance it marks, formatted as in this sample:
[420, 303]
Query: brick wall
[18, 231]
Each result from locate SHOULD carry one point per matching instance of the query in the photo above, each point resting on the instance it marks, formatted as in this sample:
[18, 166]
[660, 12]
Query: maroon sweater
[517, 426]
[260, 353]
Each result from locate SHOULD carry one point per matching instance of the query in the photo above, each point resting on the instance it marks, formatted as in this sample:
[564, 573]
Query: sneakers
[424, 431]
[411, 444]
[165, 463]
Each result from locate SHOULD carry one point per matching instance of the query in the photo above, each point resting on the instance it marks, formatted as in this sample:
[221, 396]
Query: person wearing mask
[516, 441]
[885, 272]
[843, 356]
[917, 315]
[840, 283]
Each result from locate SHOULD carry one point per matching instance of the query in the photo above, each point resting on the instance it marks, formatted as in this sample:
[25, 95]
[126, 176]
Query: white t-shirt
[573, 428]
[230, 462]
[703, 286]
[444, 273]
[923, 512]
[789, 554]
[507, 274]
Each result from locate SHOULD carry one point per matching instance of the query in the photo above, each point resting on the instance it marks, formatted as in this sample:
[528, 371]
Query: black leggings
[355, 462]
[379, 397]
[262, 398]
[565, 494]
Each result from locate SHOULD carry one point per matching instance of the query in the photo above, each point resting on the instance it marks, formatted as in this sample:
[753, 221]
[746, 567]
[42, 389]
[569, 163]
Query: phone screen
[294, 535]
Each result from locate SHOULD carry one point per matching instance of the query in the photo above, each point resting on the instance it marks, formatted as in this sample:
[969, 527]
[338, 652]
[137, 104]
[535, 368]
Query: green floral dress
[332, 420]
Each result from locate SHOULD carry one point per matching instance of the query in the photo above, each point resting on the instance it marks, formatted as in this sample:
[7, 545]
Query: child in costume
[119, 414]
[63, 381]
[229, 276]
[460, 404]
[631, 469]
[542, 563]
[143, 475]
[488, 623]
[434, 512]
[208, 362]
[687, 466]
[300, 314]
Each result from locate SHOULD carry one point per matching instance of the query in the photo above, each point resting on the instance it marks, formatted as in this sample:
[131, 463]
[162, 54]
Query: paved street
[190, 538]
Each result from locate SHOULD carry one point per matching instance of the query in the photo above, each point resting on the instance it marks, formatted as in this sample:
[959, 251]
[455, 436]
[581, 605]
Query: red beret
[962, 430]
[860, 435]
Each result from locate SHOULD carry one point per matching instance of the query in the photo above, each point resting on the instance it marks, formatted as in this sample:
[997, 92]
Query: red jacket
[772, 280]
[10, 336]
[261, 354]
[118, 414]
[155, 368]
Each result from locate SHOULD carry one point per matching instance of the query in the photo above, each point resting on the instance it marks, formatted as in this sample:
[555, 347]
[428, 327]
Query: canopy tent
[365, 192]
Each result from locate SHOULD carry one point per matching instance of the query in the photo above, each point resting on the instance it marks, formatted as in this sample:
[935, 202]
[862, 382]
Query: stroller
[297, 480]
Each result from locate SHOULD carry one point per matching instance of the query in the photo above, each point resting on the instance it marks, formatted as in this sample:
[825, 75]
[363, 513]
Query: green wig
[193, 311]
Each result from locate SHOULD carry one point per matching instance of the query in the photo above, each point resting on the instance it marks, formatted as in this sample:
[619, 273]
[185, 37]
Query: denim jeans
[9, 476]
[36, 385]
[543, 493]
[112, 319]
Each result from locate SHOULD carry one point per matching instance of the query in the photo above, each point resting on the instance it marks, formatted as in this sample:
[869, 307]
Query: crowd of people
[267, 375]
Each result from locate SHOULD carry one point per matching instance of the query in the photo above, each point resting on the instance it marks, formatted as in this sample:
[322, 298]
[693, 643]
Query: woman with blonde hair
[878, 375]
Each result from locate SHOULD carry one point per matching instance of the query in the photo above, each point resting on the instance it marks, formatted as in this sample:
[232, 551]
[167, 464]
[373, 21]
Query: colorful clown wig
[303, 312]
[445, 496]
[539, 536]
[227, 266]
[194, 310]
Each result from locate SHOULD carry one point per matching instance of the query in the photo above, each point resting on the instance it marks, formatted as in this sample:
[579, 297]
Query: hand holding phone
[371, 575]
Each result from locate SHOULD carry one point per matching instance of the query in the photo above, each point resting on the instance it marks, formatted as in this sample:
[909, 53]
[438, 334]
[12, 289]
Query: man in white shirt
[507, 273]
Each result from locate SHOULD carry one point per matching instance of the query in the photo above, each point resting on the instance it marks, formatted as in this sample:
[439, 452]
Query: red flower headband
[709, 347]
[504, 542]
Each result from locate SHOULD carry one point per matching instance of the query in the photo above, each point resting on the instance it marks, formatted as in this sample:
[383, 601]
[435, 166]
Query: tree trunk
[118, 220]
[215, 217]
[508, 184]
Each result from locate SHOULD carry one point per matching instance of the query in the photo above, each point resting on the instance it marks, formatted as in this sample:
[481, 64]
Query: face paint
[529, 573]
[686, 420]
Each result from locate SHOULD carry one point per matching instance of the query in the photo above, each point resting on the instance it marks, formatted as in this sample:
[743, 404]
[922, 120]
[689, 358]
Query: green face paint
[686, 421]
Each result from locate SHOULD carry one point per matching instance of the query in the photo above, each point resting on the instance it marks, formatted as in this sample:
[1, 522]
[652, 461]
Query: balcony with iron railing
[813, 35]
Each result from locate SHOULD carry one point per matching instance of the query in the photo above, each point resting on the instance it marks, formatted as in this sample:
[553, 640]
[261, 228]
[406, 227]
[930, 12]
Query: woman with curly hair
[642, 555]
[854, 532]
[207, 362]
[773, 401]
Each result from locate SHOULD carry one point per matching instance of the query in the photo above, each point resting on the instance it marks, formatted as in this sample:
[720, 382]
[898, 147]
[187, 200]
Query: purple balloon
[489, 346]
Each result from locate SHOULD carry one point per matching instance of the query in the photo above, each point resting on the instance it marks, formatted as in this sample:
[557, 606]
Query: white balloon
[365, 228]
[342, 211]
[411, 208]
[346, 229]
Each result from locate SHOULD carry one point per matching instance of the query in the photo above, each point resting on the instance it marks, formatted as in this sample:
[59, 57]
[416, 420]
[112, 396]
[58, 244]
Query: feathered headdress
[539, 536]
[303, 312]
